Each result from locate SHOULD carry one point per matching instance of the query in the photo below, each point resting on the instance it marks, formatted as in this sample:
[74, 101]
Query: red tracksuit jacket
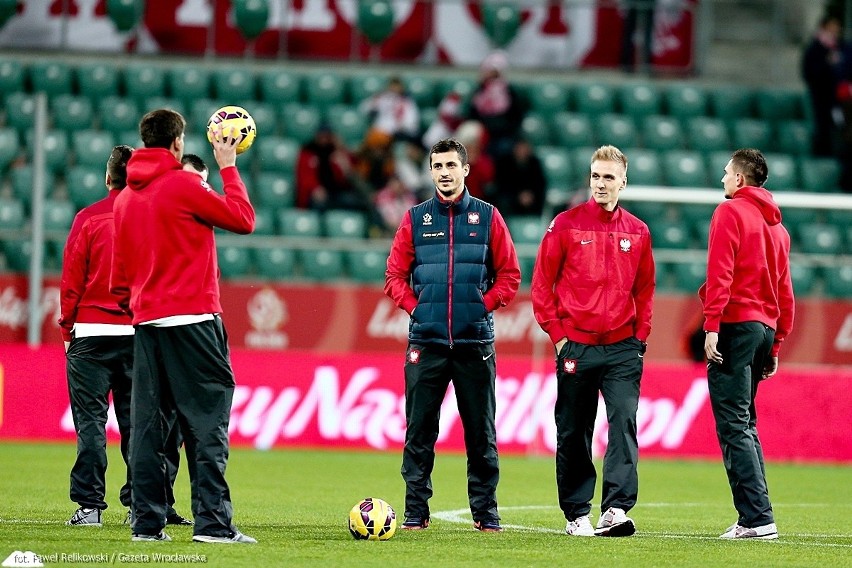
[164, 260]
[748, 265]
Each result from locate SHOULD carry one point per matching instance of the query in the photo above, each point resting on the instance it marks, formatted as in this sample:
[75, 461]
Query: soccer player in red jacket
[592, 292]
[748, 311]
[165, 269]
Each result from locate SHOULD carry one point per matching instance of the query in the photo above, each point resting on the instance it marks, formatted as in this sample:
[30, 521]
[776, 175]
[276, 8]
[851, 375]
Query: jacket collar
[600, 213]
[461, 204]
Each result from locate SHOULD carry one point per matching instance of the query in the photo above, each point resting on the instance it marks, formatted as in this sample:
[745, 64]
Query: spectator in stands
[821, 67]
[480, 180]
[520, 182]
[392, 202]
[324, 171]
[448, 119]
[374, 163]
[748, 312]
[392, 111]
[412, 167]
[497, 105]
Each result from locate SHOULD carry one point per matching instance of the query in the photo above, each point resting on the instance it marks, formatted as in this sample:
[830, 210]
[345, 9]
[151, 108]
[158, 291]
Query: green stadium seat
[752, 133]
[556, 163]
[364, 86]
[573, 130]
[774, 103]
[819, 174]
[731, 102]
[92, 147]
[840, 218]
[594, 98]
[322, 264]
[54, 78]
[234, 261]
[783, 175]
[56, 147]
[299, 223]
[71, 113]
[143, 81]
[536, 129]
[348, 123]
[794, 136]
[119, 115]
[662, 132]
[548, 97]
[427, 117]
[421, 89]
[276, 263]
[11, 213]
[189, 83]
[158, 102]
[794, 217]
[838, 281]
[276, 154]
[804, 278]
[97, 80]
[11, 76]
[279, 87]
[640, 99]
[234, 85]
[669, 233]
[200, 111]
[643, 167]
[86, 184]
[324, 89]
[686, 100]
[273, 189]
[689, 276]
[265, 118]
[645, 210]
[340, 224]
[685, 168]
[300, 122]
[525, 229]
[21, 179]
[367, 265]
[9, 147]
[464, 86]
[696, 215]
[527, 265]
[819, 238]
[58, 214]
[264, 220]
[18, 253]
[580, 159]
[716, 162]
[707, 134]
[616, 129]
[20, 111]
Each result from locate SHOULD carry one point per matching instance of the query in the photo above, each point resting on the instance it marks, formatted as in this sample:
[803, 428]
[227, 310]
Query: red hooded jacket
[164, 260]
[748, 265]
[84, 294]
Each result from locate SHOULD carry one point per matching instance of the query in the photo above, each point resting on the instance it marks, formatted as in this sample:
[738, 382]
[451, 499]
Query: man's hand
[771, 367]
[711, 340]
[224, 143]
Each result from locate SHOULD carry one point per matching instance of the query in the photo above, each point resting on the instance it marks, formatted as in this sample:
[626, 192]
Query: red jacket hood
[146, 164]
[763, 200]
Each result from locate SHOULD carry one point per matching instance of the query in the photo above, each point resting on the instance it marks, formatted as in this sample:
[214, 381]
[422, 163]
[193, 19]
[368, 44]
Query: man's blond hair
[609, 154]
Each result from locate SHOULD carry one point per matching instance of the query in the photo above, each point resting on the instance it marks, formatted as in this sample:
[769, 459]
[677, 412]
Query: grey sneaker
[581, 526]
[615, 522]
[150, 537]
[236, 538]
[763, 532]
[85, 517]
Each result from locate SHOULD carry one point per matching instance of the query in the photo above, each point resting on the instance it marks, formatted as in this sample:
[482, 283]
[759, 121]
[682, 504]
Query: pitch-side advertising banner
[356, 401]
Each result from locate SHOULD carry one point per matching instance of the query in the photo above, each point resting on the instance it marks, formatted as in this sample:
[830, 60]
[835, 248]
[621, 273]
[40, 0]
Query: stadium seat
[464, 86]
[731, 102]
[365, 85]
[669, 234]
[685, 168]
[838, 281]
[783, 175]
[536, 129]
[119, 115]
[647, 211]
[264, 220]
[276, 154]
[525, 229]
[56, 147]
[234, 84]
[71, 113]
[556, 163]
[697, 215]
[662, 132]
[527, 266]
[11, 76]
[324, 89]
[20, 111]
[340, 224]
[22, 180]
[794, 136]
[716, 162]
[158, 102]
[143, 81]
[819, 174]
[58, 215]
[840, 218]
[347, 123]
[234, 261]
[580, 160]
[640, 99]
[775, 103]
[52, 77]
[689, 276]
[97, 80]
[804, 278]
[321, 264]
[573, 130]
[299, 223]
[643, 167]
[420, 88]
[11, 213]
[86, 184]
[752, 133]
[276, 262]
[273, 189]
[594, 98]
[548, 97]
[707, 134]
[300, 122]
[794, 217]
[685, 101]
[616, 129]
[92, 147]
[367, 265]
[18, 253]
[279, 87]
[819, 238]
[197, 144]
[427, 117]
[200, 111]
[9, 147]
[189, 83]
[265, 118]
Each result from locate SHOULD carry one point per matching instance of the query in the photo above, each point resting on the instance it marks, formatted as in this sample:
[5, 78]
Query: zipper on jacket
[450, 284]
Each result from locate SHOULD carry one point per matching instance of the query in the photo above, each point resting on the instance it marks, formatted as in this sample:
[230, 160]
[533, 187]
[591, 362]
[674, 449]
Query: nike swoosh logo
[585, 242]
[487, 357]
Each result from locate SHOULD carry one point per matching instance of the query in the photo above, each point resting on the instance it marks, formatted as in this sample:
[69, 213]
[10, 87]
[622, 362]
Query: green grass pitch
[295, 502]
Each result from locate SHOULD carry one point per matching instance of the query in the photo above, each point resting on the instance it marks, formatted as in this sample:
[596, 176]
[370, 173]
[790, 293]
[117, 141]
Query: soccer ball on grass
[237, 118]
[372, 519]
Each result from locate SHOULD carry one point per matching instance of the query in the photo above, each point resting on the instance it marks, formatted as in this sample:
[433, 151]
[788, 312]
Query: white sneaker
[581, 526]
[161, 536]
[764, 532]
[236, 538]
[85, 517]
[615, 522]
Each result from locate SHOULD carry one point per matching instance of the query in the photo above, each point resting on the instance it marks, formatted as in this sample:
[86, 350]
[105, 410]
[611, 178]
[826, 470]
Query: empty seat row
[313, 264]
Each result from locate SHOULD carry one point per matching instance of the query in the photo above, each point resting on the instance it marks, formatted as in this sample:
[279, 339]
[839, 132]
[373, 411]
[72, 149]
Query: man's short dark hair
[449, 145]
[159, 128]
[751, 163]
[195, 161]
[117, 166]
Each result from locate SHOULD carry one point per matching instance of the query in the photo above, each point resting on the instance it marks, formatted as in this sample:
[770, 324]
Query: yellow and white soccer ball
[372, 519]
[237, 118]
